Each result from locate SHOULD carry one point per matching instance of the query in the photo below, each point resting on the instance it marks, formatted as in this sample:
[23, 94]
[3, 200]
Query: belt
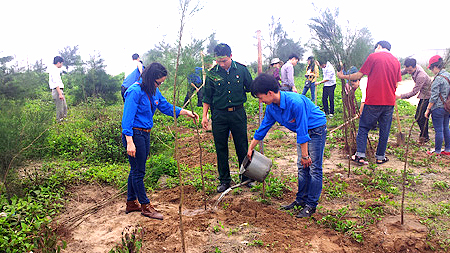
[231, 108]
[142, 129]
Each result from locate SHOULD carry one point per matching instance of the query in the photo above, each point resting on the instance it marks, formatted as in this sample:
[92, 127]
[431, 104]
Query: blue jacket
[133, 77]
[296, 112]
[137, 111]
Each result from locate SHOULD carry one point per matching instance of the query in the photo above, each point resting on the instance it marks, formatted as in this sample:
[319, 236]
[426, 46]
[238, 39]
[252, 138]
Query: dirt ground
[241, 223]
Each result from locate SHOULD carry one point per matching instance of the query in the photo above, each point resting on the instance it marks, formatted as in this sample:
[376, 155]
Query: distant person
[56, 85]
[132, 74]
[329, 85]
[298, 114]
[287, 74]
[423, 87]
[195, 82]
[383, 71]
[440, 89]
[312, 73]
[274, 69]
[225, 94]
[141, 101]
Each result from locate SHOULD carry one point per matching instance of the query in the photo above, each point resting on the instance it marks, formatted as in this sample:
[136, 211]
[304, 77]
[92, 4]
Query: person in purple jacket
[298, 114]
[141, 101]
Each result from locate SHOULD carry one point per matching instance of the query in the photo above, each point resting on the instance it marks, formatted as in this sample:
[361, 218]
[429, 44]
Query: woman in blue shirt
[440, 89]
[141, 101]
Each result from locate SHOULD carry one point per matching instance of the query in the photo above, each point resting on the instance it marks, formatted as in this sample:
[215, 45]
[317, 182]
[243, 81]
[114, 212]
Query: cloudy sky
[33, 30]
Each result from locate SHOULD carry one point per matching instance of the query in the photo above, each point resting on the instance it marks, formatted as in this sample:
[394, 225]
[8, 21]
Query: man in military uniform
[225, 94]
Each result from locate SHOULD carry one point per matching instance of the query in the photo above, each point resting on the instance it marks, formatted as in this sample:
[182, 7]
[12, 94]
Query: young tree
[95, 82]
[342, 50]
[280, 45]
[70, 56]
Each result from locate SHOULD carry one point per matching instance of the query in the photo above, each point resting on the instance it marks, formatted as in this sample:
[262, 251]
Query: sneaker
[431, 153]
[223, 187]
[447, 153]
[330, 115]
[292, 206]
[307, 211]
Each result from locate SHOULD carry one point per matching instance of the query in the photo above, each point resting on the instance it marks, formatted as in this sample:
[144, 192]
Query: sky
[34, 30]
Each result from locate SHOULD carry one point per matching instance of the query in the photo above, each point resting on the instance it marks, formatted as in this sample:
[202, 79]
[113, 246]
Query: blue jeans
[136, 187]
[440, 119]
[369, 117]
[310, 178]
[312, 86]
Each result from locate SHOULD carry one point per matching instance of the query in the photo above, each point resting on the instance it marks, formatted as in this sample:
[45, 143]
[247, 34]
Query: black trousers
[328, 94]
[222, 123]
[420, 117]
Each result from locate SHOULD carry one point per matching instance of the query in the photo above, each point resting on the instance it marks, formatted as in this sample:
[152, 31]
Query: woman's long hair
[151, 73]
[312, 64]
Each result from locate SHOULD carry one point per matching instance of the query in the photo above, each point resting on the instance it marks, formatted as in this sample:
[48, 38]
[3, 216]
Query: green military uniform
[225, 92]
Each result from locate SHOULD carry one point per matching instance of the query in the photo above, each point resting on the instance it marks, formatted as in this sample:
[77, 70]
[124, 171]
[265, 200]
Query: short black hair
[293, 56]
[135, 56]
[222, 49]
[410, 62]
[264, 83]
[57, 59]
[322, 61]
[384, 44]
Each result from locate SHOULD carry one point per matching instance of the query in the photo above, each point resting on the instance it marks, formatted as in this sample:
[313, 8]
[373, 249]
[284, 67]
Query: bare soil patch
[241, 223]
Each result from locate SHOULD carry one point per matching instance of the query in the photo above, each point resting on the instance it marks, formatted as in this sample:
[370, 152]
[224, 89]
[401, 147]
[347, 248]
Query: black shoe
[222, 187]
[292, 206]
[306, 212]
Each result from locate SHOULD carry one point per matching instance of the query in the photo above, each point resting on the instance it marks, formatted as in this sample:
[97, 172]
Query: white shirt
[54, 78]
[329, 74]
[363, 87]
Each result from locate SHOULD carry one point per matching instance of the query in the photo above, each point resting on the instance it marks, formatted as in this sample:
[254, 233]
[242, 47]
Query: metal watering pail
[258, 168]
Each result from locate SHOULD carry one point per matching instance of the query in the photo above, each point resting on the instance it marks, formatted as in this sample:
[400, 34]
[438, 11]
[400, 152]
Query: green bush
[159, 165]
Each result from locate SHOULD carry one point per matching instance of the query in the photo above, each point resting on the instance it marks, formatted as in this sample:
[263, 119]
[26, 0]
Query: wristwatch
[305, 157]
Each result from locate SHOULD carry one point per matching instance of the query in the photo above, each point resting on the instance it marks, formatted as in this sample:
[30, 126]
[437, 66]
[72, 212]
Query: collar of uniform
[233, 65]
[282, 100]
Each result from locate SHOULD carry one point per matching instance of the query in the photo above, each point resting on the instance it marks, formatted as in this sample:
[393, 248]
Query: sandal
[383, 161]
[359, 160]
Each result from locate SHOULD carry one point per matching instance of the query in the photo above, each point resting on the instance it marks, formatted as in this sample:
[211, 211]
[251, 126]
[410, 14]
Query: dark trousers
[420, 117]
[222, 123]
[136, 187]
[191, 91]
[328, 94]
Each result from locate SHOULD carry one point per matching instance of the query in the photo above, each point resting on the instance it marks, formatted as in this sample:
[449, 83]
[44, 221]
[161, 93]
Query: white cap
[275, 61]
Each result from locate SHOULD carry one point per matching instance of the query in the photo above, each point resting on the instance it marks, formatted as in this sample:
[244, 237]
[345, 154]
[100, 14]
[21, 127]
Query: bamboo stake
[406, 162]
[183, 5]
[260, 118]
[199, 143]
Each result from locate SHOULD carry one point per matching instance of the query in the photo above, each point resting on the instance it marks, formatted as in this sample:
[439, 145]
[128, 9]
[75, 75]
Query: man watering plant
[298, 114]
[225, 95]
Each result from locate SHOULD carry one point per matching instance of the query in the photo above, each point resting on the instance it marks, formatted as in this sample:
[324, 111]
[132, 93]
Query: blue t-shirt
[195, 77]
[137, 111]
[133, 77]
[296, 112]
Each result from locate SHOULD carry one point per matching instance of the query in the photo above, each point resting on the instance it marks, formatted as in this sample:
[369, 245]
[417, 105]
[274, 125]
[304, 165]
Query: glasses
[158, 83]
[354, 81]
